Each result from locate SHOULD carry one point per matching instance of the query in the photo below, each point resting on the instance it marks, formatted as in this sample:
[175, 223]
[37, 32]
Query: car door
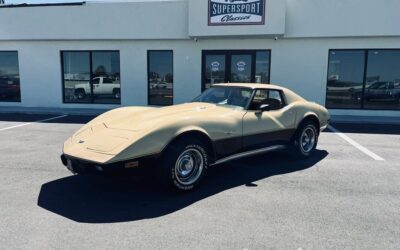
[107, 86]
[272, 127]
[96, 86]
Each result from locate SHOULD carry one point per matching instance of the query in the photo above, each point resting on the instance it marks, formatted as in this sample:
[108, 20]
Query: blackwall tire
[183, 165]
[80, 94]
[117, 93]
[305, 140]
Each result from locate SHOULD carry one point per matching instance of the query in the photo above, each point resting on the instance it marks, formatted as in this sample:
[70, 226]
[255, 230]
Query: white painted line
[356, 145]
[29, 123]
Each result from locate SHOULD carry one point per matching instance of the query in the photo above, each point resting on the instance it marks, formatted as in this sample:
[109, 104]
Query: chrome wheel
[307, 139]
[189, 166]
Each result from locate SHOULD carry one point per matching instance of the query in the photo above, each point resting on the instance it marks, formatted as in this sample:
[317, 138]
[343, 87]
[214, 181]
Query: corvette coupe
[179, 143]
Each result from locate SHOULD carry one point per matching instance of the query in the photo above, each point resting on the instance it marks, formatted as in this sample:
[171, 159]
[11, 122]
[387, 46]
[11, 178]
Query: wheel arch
[310, 117]
[194, 134]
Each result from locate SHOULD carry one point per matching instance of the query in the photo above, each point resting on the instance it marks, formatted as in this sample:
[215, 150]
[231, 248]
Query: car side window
[96, 81]
[273, 98]
[107, 80]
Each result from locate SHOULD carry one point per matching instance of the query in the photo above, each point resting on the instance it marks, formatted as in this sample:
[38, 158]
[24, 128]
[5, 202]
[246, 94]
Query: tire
[80, 94]
[117, 93]
[305, 140]
[183, 165]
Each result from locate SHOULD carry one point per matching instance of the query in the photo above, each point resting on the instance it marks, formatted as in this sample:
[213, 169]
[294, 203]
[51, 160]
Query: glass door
[214, 67]
[241, 68]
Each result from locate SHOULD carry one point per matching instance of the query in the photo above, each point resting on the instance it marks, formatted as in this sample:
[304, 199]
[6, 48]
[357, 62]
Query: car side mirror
[263, 108]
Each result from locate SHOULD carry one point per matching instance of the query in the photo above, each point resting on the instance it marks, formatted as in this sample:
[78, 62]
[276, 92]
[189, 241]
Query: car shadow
[109, 199]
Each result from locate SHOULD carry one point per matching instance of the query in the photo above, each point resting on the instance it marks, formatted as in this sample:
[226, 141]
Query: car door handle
[228, 132]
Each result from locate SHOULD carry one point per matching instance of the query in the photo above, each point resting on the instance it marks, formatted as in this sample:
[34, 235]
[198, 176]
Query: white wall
[342, 18]
[300, 64]
[181, 19]
[129, 20]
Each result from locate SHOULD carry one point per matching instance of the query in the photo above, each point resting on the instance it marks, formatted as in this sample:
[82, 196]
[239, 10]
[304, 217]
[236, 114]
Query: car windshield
[227, 96]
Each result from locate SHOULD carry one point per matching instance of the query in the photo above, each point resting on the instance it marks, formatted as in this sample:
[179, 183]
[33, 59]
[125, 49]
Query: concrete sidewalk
[365, 119]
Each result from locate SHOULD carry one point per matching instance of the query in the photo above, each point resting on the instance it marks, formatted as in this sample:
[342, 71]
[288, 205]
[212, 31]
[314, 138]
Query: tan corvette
[226, 122]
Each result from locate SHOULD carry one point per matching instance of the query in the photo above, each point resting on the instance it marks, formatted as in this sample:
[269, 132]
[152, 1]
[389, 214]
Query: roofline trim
[25, 5]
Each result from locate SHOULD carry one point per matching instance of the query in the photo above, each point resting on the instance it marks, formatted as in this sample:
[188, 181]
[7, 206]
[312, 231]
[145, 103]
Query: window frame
[19, 74]
[281, 93]
[366, 53]
[90, 75]
[148, 77]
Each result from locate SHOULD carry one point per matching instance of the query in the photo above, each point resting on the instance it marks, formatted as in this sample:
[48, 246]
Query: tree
[2, 2]
[100, 71]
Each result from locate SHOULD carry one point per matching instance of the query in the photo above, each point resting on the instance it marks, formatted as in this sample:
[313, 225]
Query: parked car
[383, 91]
[226, 122]
[380, 91]
[9, 87]
[101, 86]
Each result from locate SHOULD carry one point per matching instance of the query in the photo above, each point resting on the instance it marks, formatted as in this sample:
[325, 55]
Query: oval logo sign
[241, 66]
[215, 66]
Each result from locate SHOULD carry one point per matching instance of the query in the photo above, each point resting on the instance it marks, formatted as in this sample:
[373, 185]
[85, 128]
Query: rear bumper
[79, 166]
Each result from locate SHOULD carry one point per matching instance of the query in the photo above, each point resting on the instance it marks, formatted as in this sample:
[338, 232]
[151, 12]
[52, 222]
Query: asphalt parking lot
[347, 196]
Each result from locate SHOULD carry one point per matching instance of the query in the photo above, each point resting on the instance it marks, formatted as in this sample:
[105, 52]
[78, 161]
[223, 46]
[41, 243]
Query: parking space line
[29, 123]
[356, 145]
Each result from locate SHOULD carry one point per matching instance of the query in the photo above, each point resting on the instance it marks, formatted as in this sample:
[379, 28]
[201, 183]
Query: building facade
[342, 54]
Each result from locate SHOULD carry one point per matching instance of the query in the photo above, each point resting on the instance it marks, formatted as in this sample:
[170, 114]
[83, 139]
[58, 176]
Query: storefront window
[345, 79]
[9, 77]
[160, 77]
[364, 79]
[262, 66]
[382, 85]
[91, 77]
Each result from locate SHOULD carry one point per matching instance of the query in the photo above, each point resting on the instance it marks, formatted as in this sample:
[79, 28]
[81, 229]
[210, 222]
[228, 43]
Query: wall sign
[236, 12]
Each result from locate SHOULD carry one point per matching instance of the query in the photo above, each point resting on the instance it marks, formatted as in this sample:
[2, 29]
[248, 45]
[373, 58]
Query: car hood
[152, 117]
[111, 133]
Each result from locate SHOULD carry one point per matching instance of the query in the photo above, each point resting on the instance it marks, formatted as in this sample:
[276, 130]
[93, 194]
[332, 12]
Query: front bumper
[324, 126]
[79, 166]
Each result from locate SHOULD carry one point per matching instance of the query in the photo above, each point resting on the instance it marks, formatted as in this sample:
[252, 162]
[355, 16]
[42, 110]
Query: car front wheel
[184, 164]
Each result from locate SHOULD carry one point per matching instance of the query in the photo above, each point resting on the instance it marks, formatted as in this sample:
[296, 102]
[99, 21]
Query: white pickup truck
[101, 86]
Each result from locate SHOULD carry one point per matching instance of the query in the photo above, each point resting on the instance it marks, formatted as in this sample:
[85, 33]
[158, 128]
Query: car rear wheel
[80, 94]
[305, 140]
[117, 93]
[184, 164]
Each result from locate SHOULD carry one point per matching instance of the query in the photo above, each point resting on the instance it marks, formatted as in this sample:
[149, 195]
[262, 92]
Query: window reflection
[241, 68]
[220, 66]
[106, 77]
[345, 79]
[76, 66]
[382, 87]
[262, 67]
[160, 77]
[9, 77]
[99, 84]
[347, 87]
[215, 70]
